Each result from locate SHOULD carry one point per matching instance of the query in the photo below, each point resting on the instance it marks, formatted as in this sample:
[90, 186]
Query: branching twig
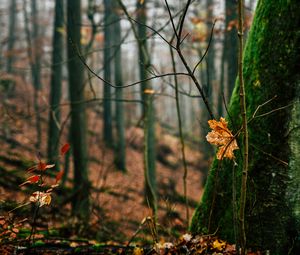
[207, 48]
[179, 52]
[245, 129]
[181, 140]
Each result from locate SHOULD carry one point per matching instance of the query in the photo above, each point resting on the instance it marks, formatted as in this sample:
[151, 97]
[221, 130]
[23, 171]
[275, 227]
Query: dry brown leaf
[222, 137]
[42, 197]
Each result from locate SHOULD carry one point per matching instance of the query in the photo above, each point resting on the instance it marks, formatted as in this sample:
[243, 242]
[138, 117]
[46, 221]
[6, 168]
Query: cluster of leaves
[36, 173]
[9, 229]
[188, 244]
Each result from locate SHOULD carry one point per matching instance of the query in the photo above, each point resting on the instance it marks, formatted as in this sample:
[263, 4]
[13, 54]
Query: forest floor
[119, 214]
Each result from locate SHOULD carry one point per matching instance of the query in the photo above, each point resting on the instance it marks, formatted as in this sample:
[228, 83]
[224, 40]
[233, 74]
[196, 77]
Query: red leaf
[64, 149]
[59, 176]
[43, 166]
[33, 179]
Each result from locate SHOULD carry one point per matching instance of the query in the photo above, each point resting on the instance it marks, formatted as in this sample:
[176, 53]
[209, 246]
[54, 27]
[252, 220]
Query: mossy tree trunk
[80, 201]
[271, 68]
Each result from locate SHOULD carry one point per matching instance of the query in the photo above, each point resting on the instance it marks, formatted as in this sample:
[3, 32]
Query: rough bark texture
[78, 117]
[271, 68]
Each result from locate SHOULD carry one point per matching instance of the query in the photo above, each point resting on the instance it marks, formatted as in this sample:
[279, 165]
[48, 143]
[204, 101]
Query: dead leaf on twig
[222, 137]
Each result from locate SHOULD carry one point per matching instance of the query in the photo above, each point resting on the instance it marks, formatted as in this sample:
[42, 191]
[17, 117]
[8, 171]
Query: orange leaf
[59, 176]
[64, 149]
[149, 91]
[222, 137]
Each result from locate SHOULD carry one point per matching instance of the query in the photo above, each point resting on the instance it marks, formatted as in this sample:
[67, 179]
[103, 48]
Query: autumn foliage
[223, 138]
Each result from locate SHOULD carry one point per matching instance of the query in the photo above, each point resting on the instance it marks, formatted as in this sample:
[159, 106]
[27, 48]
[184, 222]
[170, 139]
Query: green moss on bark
[271, 68]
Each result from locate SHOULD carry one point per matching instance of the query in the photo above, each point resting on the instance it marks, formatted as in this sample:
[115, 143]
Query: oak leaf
[222, 137]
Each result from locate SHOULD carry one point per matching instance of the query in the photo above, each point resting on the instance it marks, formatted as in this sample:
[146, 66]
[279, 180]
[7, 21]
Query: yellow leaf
[61, 30]
[219, 245]
[43, 198]
[149, 91]
[222, 137]
[137, 251]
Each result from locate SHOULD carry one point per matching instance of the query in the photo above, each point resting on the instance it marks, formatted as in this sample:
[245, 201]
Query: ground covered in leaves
[118, 207]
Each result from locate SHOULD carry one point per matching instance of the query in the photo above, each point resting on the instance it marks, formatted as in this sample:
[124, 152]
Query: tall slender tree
[11, 35]
[229, 55]
[148, 107]
[120, 155]
[10, 45]
[210, 62]
[34, 55]
[107, 109]
[36, 47]
[56, 82]
[78, 117]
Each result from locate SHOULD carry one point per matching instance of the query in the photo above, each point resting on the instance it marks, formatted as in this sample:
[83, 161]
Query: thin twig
[181, 140]
[207, 48]
[245, 129]
[178, 50]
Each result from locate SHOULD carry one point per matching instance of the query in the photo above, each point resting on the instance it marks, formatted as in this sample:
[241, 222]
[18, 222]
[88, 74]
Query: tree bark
[81, 184]
[34, 55]
[107, 110]
[148, 107]
[11, 36]
[56, 82]
[271, 68]
[229, 55]
[120, 155]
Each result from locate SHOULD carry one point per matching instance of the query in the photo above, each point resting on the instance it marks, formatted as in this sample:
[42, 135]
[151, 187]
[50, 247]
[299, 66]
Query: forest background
[96, 92]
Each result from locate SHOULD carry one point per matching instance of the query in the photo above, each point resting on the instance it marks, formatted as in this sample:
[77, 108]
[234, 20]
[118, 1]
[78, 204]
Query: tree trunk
[271, 68]
[78, 118]
[148, 108]
[56, 82]
[34, 55]
[229, 55]
[107, 111]
[231, 45]
[210, 62]
[120, 154]
[11, 36]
